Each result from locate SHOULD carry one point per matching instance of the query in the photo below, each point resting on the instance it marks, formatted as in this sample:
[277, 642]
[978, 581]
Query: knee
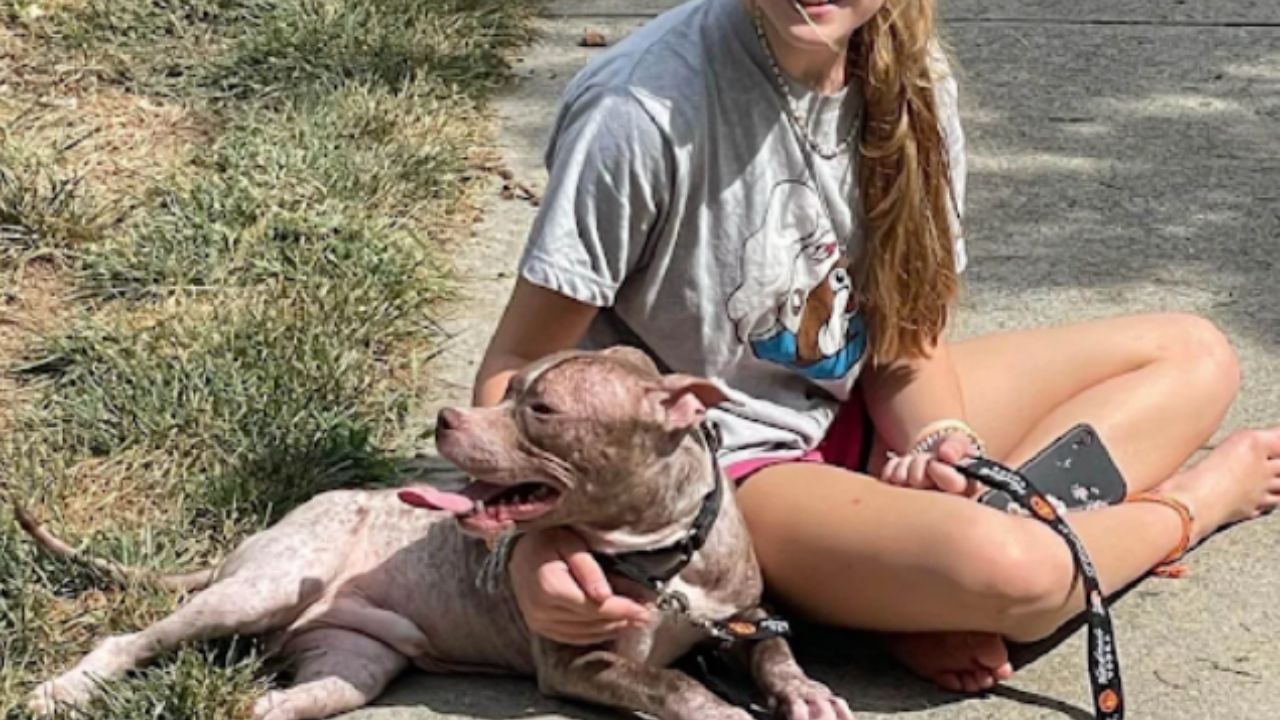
[1022, 569]
[1202, 352]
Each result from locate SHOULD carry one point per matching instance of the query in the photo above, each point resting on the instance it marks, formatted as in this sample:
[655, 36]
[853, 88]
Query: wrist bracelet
[934, 433]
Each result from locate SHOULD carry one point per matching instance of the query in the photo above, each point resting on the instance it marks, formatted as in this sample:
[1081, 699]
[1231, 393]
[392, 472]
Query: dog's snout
[448, 419]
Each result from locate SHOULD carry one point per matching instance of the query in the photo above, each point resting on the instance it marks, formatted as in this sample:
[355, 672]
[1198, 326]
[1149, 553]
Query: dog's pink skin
[354, 586]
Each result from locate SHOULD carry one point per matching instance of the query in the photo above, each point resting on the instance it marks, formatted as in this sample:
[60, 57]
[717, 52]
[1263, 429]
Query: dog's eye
[541, 408]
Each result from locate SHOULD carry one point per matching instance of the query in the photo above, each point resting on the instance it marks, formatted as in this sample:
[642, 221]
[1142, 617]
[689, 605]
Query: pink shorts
[847, 444]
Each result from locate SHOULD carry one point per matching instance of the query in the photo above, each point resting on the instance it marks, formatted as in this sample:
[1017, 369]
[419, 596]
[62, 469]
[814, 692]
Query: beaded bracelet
[934, 433]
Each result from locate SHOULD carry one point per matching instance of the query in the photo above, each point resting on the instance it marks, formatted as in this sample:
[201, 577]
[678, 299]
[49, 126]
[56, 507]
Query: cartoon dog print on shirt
[795, 305]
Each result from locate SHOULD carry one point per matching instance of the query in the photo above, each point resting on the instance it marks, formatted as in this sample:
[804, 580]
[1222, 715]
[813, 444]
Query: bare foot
[1238, 481]
[956, 661]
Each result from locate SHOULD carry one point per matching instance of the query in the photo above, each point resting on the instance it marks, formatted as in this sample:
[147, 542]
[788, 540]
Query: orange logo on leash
[1043, 509]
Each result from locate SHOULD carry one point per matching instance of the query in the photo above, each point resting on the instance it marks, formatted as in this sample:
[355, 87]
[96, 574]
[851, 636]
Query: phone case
[1075, 470]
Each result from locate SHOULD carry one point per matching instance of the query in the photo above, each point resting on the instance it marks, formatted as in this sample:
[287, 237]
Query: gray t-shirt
[685, 205]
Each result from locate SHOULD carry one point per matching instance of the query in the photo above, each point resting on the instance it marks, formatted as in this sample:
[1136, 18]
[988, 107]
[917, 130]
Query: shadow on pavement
[479, 697]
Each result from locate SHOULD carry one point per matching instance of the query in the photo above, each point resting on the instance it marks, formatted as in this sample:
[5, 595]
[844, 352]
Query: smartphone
[1076, 470]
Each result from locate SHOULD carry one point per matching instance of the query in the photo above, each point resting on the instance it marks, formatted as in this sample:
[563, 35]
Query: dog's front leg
[606, 678]
[792, 694]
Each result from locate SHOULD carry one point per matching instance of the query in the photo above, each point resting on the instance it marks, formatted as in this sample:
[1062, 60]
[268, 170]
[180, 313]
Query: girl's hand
[933, 470]
[564, 595]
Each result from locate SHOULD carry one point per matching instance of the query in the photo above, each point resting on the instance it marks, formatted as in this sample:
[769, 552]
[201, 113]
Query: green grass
[249, 308]
[258, 49]
[353, 184]
[44, 210]
[199, 684]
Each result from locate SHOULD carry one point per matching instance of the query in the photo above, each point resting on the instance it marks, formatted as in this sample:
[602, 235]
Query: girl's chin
[801, 35]
[832, 20]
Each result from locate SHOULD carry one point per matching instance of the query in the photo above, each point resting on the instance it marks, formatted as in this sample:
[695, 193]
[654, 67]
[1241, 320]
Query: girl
[769, 192]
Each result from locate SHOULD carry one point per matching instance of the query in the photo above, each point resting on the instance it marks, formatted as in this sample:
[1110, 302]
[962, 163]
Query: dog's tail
[52, 544]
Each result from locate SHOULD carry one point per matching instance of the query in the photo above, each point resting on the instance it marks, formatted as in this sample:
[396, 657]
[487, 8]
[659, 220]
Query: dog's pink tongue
[433, 499]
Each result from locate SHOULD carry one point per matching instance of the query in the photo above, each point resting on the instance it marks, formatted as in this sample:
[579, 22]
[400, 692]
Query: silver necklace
[796, 116]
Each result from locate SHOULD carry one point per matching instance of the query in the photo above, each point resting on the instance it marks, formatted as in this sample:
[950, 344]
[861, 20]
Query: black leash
[654, 569]
[1104, 665]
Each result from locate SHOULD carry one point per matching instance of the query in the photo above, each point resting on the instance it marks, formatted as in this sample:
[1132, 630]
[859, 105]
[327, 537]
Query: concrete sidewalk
[1125, 156]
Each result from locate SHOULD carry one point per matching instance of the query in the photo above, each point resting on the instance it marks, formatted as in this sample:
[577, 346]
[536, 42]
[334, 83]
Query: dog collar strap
[1104, 665]
[654, 568]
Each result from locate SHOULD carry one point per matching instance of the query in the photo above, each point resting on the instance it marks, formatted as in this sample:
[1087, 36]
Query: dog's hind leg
[245, 603]
[336, 670]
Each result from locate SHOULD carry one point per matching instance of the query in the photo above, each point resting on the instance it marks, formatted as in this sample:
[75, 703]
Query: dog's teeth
[479, 508]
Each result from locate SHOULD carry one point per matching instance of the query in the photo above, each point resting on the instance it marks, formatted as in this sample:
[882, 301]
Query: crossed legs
[908, 561]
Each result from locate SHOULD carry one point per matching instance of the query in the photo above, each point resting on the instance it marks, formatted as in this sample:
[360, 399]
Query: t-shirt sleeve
[607, 166]
[947, 96]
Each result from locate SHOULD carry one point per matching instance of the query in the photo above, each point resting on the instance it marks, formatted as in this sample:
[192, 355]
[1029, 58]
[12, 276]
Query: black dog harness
[654, 569]
[1104, 665]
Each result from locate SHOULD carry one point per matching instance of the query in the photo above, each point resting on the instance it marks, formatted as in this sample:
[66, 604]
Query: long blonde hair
[906, 271]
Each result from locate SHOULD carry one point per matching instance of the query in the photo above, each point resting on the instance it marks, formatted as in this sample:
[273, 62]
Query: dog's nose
[448, 419]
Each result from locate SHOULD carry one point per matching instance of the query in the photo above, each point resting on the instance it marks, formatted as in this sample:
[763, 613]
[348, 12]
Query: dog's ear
[635, 357]
[685, 400]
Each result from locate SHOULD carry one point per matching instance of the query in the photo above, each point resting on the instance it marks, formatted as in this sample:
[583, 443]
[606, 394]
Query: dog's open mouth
[487, 507]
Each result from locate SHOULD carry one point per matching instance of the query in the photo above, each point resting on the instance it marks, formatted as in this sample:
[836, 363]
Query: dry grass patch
[244, 206]
[115, 143]
[78, 155]
[29, 69]
[132, 484]
[119, 142]
[34, 302]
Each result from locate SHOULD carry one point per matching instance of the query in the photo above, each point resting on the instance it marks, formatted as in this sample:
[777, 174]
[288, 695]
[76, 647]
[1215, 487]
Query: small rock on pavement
[593, 38]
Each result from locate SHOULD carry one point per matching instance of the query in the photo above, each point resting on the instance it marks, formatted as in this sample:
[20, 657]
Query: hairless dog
[355, 585]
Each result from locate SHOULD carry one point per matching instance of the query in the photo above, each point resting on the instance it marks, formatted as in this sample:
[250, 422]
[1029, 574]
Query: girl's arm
[536, 323]
[906, 399]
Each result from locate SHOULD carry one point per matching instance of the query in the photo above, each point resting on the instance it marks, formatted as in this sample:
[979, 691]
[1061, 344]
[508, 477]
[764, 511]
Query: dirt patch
[32, 304]
[130, 486]
[120, 142]
[28, 68]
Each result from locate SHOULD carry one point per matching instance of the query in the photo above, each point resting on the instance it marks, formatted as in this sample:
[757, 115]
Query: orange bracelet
[1187, 518]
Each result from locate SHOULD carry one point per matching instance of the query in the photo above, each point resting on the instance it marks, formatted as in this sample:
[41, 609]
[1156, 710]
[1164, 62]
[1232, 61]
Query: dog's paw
[274, 705]
[40, 702]
[70, 690]
[805, 699]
